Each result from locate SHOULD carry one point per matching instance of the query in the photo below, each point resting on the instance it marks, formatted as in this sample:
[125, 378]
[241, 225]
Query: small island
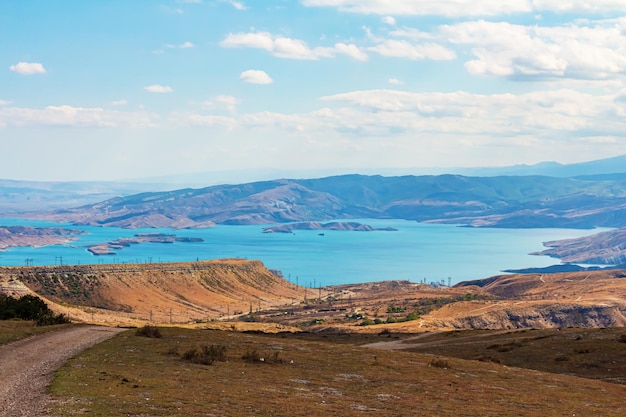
[109, 248]
[30, 236]
[352, 226]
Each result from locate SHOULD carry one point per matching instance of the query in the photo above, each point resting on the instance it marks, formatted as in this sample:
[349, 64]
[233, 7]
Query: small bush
[205, 355]
[622, 338]
[385, 332]
[50, 319]
[440, 363]
[173, 351]
[251, 355]
[149, 331]
[254, 356]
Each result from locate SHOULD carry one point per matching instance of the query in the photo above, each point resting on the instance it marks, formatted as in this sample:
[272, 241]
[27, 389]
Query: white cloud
[28, 68]
[289, 48]
[255, 77]
[238, 5]
[389, 20]
[580, 6]
[404, 49]
[70, 116]
[450, 8]
[203, 120]
[394, 81]
[186, 45]
[119, 102]
[4, 103]
[227, 102]
[503, 49]
[469, 8]
[156, 88]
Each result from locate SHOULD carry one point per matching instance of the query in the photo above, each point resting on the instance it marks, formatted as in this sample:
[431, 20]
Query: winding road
[27, 366]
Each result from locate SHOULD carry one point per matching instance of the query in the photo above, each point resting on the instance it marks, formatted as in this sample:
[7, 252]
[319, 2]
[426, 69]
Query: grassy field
[589, 353]
[12, 330]
[314, 375]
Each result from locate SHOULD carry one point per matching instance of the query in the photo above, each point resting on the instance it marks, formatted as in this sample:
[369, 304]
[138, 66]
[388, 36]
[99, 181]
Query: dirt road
[27, 366]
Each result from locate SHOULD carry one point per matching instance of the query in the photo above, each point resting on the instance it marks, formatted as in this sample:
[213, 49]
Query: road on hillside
[27, 366]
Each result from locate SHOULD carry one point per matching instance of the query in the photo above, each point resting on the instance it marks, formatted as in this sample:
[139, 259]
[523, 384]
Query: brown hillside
[177, 292]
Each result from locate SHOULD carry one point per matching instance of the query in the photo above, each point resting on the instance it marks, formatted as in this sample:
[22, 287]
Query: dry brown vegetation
[308, 375]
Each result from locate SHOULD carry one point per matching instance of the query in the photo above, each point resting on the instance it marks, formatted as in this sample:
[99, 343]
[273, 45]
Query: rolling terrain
[245, 291]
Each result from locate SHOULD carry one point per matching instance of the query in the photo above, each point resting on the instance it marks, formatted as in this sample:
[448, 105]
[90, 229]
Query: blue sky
[118, 89]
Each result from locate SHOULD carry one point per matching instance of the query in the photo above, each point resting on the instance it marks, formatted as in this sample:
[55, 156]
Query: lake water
[415, 252]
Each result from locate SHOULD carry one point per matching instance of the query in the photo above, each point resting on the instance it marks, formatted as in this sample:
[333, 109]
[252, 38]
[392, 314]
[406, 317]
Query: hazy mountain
[531, 201]
[613, 165]
[20, 196]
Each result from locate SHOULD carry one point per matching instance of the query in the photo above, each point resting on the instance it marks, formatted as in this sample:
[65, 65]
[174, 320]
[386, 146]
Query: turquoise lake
[416, 252]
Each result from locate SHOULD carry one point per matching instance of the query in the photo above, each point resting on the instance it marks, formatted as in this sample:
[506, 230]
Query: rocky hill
[605, 248]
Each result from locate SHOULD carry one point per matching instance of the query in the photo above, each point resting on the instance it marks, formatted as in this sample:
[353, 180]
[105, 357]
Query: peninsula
[23, 236]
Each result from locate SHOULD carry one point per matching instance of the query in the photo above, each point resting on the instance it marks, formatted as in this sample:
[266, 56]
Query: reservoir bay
[415, 252]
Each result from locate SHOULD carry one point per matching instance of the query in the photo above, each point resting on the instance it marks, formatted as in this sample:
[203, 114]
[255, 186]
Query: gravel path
[27, 366]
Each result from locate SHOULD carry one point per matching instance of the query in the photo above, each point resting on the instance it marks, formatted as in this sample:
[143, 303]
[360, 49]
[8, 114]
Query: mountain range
[516, 202]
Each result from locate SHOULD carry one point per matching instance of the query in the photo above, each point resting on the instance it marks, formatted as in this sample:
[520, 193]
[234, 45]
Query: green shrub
[149, 331]
[205, 355]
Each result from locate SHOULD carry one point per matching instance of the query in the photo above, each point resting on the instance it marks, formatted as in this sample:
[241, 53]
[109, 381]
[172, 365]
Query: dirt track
[26, 366]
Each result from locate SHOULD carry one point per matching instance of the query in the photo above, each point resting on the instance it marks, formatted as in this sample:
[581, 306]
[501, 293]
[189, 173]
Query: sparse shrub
[149, 331]
[622, 338]
[173, 351]
[254, 356]
[561, 358]
[385, 332]
[205, 355]
[251, 355]
[50, 319]
[366, 322]
[440, 363]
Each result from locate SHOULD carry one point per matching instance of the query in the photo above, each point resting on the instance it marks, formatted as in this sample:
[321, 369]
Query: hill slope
[494, 201]
[158, 292]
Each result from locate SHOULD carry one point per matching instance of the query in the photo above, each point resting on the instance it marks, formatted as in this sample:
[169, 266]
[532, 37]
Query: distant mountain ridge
[517, 202]
[20, 196]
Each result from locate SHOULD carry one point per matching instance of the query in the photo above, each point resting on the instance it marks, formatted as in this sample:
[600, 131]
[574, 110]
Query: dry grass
[138, 376]
[589, 353]
[12, 330]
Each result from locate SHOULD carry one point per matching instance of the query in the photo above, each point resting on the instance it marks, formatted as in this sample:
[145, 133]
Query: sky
[118, 89]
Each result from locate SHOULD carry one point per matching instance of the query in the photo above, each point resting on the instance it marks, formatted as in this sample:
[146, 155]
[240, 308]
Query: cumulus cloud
[389, 20]
[4, 103]
[394, 81]
[468, 8]
[284, 47]
[157, 88]
[255, 77]
[573, 51]
[186, 45]
[28, 68]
